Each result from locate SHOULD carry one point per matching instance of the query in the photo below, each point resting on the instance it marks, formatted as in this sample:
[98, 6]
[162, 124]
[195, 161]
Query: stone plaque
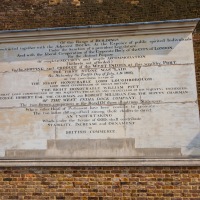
[119, 92]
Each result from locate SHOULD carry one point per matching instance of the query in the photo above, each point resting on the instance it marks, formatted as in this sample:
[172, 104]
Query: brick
[7, 179]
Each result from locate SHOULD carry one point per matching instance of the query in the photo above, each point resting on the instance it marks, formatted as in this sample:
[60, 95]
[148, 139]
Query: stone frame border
[143, 28]
[80, 32]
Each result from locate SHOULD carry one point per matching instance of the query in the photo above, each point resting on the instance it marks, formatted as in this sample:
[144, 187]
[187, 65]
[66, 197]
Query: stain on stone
[94, 148]
[15, 153]
[91, 148]
[159, 152]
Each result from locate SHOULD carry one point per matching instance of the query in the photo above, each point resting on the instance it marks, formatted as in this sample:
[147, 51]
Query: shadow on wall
[194, 146]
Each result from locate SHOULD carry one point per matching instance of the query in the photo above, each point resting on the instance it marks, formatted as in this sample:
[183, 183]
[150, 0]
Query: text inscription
[96, 89]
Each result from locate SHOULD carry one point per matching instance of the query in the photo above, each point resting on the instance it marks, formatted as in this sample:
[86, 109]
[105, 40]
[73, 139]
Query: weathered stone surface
[98, 93]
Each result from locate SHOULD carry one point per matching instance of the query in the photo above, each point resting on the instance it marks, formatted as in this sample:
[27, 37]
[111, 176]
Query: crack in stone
[144, 103]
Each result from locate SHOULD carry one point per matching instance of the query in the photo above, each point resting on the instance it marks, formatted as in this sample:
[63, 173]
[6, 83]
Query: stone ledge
[101, 162]
[80, 32]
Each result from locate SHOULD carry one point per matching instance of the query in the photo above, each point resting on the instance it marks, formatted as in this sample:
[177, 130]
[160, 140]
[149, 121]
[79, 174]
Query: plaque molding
[98, 31]
[81, 32]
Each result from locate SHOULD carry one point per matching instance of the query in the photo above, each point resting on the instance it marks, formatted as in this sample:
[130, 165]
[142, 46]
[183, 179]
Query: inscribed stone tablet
[110, 97]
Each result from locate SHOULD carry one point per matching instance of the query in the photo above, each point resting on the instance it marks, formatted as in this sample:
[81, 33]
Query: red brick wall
[23, 14]
[99, 183]
[170, 183]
